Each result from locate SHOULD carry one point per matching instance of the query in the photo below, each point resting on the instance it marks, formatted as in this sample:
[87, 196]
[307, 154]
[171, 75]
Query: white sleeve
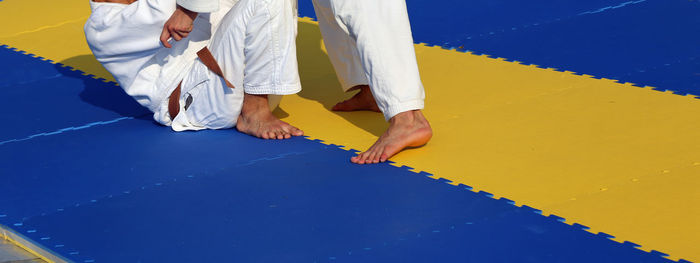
[199, 6]
[123, 37]
[116, 30]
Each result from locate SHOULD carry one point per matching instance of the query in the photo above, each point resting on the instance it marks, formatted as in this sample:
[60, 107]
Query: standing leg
[345, 58]
[255, 46]
[342, 49]
[382, 35]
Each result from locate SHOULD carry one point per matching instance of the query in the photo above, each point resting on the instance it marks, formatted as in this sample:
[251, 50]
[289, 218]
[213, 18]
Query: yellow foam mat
[21, 17]
[593, 151]
[661, 207]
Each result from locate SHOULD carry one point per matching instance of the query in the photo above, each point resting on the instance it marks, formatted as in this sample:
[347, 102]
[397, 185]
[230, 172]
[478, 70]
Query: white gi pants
[253, 42]
[369, 42]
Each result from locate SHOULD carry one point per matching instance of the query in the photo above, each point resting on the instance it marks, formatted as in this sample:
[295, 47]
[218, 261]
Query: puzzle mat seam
[74, 253]
[392, 163]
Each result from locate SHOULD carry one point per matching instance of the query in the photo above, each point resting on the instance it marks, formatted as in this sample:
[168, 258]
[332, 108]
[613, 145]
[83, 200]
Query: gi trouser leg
[370, 42]
[254, 43]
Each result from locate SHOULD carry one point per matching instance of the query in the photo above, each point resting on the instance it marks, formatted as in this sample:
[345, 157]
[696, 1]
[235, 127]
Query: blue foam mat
[41, 97]
[313, 206]
[132, 191]
[646, 42]
[51, 172]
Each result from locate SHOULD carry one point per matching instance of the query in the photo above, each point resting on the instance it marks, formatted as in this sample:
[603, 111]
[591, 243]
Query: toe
[344, 106]
[291, 130]
[294, 131]
[391, 150]
[365, 158]
[339, 106]
[383, 157]
[297, 132]
[280, 135]
[283, 134]
[370, 156]
[377, 156]
[359, 158]
[336, 107]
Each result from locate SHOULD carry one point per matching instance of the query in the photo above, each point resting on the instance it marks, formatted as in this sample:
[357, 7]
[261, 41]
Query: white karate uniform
[369, 42]
[253, 42]
[200, 6]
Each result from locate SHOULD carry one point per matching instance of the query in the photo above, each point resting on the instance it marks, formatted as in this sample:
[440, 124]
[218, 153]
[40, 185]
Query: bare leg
[406, 129]
[363, 100]
[257, 120]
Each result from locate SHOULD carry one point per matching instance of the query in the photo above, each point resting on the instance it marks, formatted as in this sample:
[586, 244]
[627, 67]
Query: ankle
[403, 117]
[254, 103]
[411, 117]
[366, 92]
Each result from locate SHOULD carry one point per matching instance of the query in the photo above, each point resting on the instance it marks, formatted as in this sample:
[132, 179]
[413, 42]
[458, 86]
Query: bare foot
[363, 100]
[257, 120]
[406, 129]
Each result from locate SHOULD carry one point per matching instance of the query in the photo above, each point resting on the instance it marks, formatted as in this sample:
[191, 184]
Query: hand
[178, 26]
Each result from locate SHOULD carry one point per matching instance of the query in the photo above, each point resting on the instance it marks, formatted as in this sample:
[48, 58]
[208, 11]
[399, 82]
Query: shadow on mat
[98, 93]
[319, 83]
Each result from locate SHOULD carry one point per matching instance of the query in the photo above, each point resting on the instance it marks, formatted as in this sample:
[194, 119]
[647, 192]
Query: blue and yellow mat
[565, 131]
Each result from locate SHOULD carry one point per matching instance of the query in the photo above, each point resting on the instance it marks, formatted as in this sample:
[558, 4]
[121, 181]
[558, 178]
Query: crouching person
[201, 64]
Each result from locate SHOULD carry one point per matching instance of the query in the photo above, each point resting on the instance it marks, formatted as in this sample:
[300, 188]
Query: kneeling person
[188, 87]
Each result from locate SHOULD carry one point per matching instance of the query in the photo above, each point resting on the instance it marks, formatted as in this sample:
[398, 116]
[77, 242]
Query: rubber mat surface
[620, 159]
[154, 195]
[42, 98]
[646, 42]
[185, 197]
[256, 212]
